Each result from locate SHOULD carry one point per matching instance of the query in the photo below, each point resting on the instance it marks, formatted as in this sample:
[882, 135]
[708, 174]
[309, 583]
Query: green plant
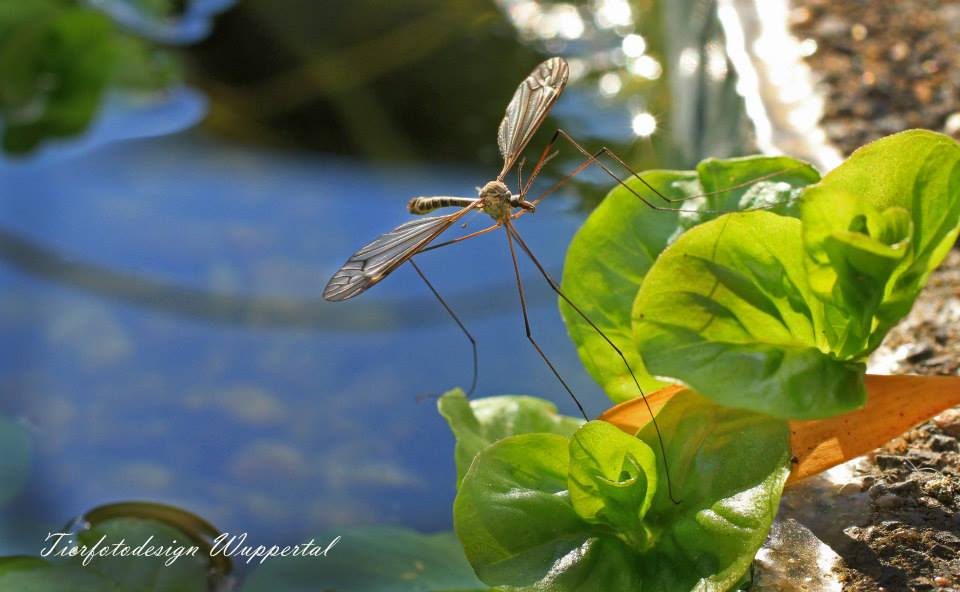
[58, 60]
[766, 314]
[589, 512]
[768, 310]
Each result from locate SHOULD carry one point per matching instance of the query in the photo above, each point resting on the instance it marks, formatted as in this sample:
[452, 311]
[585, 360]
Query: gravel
[884, 66]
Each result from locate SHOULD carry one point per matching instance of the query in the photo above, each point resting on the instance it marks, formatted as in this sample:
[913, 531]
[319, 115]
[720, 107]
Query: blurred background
[181, 177]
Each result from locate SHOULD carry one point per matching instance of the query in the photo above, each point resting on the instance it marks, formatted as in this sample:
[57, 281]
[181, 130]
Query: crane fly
[527, 109]
[525, 113]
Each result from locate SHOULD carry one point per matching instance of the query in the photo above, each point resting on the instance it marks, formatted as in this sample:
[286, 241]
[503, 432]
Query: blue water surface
[165, 338]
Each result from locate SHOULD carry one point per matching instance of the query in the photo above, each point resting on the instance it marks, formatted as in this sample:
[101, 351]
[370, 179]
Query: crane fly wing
[387, 252]
[529, 106]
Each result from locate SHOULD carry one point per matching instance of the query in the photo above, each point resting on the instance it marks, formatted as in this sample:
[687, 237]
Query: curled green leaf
[477, 424]
[612, 480]
[527, 511]
[875, 228]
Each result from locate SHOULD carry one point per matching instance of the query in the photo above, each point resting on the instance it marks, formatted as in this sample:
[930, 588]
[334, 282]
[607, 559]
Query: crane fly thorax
[497, 200]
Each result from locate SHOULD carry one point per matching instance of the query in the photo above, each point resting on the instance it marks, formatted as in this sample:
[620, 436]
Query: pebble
[949, 422]
[908, 488]
[952, 124]
[940, 443]
[889, 461]
[850, 488]
[887, 500]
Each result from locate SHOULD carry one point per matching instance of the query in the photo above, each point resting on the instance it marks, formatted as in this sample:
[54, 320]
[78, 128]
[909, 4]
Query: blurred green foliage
[57, 60]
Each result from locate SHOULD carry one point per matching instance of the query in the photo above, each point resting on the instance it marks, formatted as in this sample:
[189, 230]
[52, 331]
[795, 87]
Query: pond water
[165, 338]
[178, 349]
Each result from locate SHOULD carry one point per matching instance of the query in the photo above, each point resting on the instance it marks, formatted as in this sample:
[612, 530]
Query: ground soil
[884, 67]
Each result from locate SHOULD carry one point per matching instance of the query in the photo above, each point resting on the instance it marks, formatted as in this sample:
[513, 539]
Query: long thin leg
[461, 238]
[594, 158]
[526, 325]
[453, 315]
[511, 230]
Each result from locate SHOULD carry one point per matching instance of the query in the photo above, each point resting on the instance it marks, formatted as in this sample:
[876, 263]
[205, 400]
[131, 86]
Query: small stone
[941, 581]
[889, 461]
[908, 488]
[887, 501]
[858, 32]
[850, 488]
[940, 443]
[949, 422]
[952, 127]
[899, 51]
[923, 458]
[800, 16]
[878, 489]
[923, 92]
[930, 67]
[942, 551]
[920, 355]
[831, 26]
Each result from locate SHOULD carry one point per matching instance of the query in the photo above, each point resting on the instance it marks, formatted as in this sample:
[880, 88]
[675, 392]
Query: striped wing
[376, 260]
[529, 106]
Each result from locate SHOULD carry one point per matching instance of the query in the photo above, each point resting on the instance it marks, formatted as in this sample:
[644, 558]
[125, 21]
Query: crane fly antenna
[453, 315]
[526, 323]
[512, 232]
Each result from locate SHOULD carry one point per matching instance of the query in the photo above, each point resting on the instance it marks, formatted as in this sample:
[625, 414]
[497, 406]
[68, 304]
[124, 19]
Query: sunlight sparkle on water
[613, 13]
[643, 124]
[535, 20]
[634, 45]
[610, 84]
[647, 67]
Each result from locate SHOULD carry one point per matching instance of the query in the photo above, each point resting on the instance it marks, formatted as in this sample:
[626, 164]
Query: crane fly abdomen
[425, 205]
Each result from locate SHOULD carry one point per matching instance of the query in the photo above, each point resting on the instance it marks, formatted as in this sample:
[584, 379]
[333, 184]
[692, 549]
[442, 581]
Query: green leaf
[146, 574]
[613, 251]
[55, 60]
[517, 522]
[513, 512]
[374, 559]
[728, 310]
[612, 480]
[770, 182]
[37, 575]
[872, 254]
[477, 424]
[727, 469]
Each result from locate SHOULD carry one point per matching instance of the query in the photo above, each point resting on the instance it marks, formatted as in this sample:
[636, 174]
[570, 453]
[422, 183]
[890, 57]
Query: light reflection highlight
[613, 13]
[643, 124]
[610, 84]
[646, 67]
[634, 45]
